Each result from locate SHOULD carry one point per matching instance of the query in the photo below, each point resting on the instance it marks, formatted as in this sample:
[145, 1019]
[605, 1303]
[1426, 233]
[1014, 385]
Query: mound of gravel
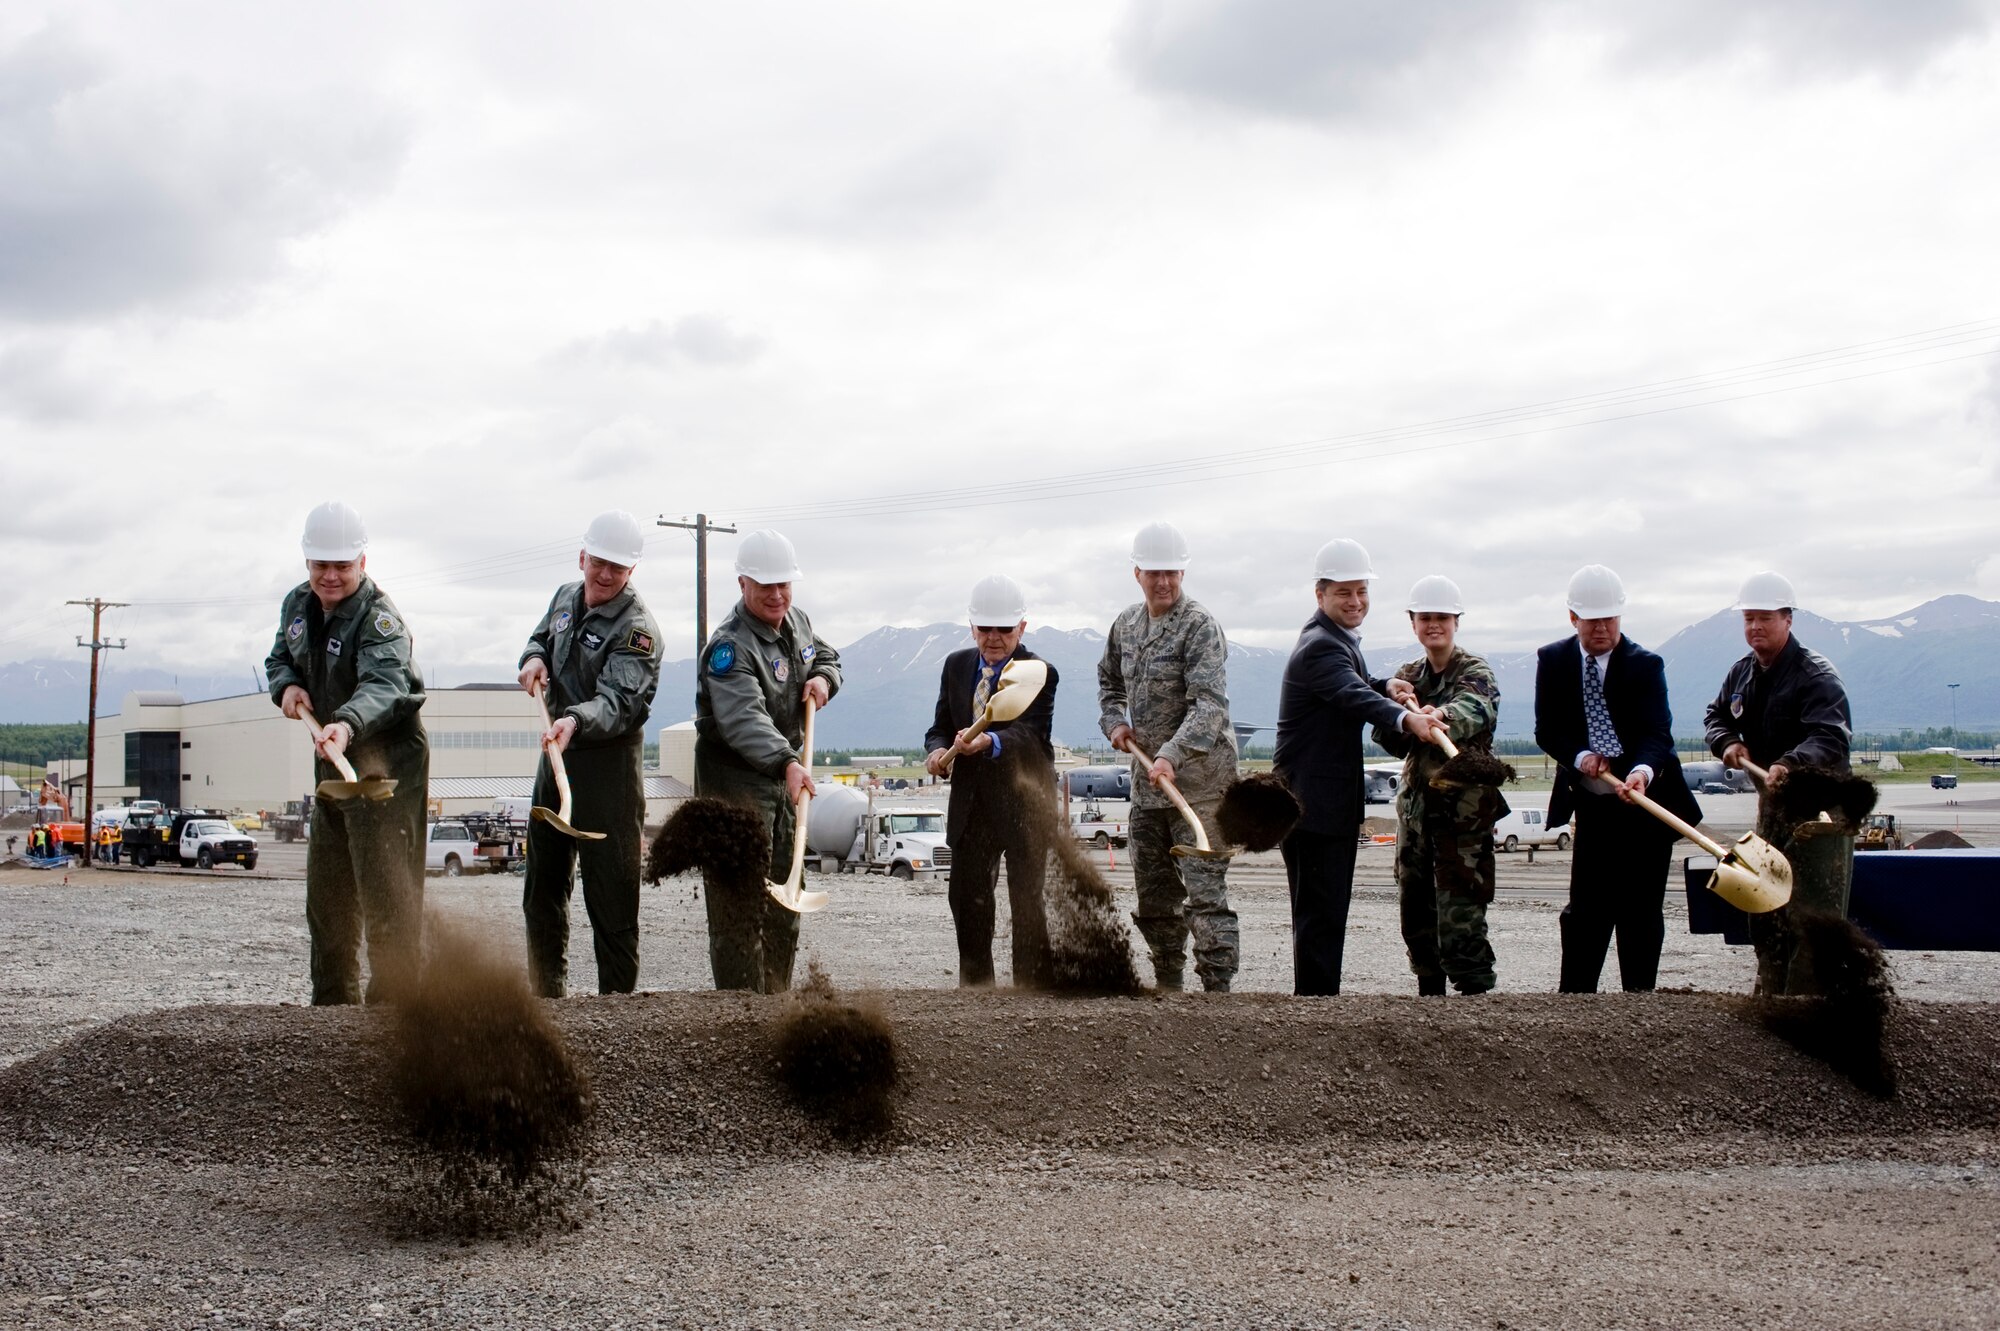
[1362, 1079]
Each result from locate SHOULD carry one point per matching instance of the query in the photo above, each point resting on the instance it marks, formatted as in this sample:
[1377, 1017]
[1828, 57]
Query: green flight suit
[749, 720]
[365, 858]
[1444, 838]
[604, 667]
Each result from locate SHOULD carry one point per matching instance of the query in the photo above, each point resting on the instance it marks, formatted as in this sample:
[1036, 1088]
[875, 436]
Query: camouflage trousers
[1822, 879]
[1178, 897]
[752, 940]
[1444, 878]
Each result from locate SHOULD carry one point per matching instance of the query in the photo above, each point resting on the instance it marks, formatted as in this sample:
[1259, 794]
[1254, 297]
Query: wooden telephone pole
[96, 644]
[701, 527]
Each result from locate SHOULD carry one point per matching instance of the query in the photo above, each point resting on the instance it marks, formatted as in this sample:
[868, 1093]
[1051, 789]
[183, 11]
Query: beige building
[241, 752]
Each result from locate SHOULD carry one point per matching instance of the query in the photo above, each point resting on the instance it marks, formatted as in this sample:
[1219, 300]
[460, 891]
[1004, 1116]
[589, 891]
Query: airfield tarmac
[179, 1148]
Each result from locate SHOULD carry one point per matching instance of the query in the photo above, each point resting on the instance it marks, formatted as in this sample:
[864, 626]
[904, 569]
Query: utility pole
[701, 527]
[96, 644]
[1954, 728]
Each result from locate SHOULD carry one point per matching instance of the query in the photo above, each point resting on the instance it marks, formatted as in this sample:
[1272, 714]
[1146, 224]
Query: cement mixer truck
[848, 831]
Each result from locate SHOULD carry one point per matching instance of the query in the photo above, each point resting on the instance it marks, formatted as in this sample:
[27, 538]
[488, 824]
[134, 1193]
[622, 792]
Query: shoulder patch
[640, 641]
[385, 623]
[807, 654]
[721, 657]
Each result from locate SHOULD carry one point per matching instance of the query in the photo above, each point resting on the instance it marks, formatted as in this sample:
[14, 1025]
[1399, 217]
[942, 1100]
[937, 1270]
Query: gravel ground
[1254, 1160]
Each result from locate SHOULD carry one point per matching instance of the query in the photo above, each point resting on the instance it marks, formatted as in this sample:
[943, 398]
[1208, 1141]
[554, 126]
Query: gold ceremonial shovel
[349, 786]
[790, 893]
[1020, 683]
[1753, 875]
[1200, 850]
[558, 818]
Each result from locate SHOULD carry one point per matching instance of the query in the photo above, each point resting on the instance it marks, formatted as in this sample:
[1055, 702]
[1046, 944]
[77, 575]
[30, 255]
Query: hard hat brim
[323, 554]
[622, 558]
[1597, 611]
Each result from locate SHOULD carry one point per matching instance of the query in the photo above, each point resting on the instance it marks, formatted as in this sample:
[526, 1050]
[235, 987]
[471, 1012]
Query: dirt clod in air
[837, 1055]
[729, 843]
[487, 1087]
[1257, 812]
[1472, 767]
[1844, 1023]
[1090, 950]
[1807, 792]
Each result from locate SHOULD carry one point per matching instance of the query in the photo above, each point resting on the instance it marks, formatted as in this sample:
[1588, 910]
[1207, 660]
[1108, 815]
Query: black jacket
[1795, 713]
[1325, 699]
[1635, 693]
[980, 781]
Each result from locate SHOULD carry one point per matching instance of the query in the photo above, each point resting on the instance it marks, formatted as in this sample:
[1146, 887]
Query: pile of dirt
[1521, 1080]
[1090, 947]
[486, 1086]
[837, 1055]
[1846, 1022]
[1942, 839]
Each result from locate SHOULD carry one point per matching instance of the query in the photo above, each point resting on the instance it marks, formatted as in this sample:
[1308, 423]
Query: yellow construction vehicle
[1879, 832]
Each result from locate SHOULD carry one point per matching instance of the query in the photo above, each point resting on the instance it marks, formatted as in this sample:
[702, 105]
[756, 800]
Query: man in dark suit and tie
[1601, 713]
[1326, 697]
[989, 815]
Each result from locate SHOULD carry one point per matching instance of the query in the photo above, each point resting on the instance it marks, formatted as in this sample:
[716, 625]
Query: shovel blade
[553, 819]
[330, 789]
[1197, 853]
[792, 898]
[1020, 683]
[1756, 877]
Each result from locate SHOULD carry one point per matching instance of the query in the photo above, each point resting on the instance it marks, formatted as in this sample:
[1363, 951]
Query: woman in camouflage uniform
[1444, 837]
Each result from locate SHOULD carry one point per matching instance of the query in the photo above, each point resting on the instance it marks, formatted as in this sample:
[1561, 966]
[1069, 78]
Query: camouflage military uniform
[1168, 679]
[1444, 838]
[749, 720]
[604, 667]
[365, 859]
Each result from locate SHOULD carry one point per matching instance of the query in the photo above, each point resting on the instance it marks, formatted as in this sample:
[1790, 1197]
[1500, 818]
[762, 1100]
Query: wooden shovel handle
[794, 878]
[556, 767]
[1693, 834]
[1443, 740]
[339, 760]
[1174, 794]
[977, 728]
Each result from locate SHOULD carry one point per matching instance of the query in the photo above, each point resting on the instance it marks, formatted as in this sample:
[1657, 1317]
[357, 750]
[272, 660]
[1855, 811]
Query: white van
[1529, 827]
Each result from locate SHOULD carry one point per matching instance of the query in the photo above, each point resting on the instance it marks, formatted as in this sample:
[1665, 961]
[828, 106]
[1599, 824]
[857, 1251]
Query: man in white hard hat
[1444, 833]
[1601, 714]
[990, 815]
[343, 653]
[1324, 700]
[756, 671]
[1783, 707]
[1162, 686]
[596, 655]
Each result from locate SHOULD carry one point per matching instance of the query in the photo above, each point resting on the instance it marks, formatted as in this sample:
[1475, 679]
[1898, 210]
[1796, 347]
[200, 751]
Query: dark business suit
[989, 816]
[1618, 876]
[1325, 699]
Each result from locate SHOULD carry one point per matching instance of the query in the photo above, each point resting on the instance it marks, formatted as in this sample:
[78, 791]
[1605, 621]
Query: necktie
[982, 691]
[1596, 716]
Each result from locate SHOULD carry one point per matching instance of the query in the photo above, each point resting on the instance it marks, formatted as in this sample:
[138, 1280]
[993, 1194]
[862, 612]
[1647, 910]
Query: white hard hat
[615, 538]
[1766, 591]
[767, 557]
[1342, 560]
[1595, 592]
[1436, 595]
[1160, 545]
[997, 600]
[334, 533]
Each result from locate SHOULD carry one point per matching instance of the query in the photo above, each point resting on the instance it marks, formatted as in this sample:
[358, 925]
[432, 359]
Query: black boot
[1430, 986]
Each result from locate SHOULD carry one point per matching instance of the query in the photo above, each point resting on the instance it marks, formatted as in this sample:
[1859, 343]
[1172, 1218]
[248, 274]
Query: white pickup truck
[209, 842]
[451, 850]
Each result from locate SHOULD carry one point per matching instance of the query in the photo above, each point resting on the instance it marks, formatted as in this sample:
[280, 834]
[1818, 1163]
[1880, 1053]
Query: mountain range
[1896, 671]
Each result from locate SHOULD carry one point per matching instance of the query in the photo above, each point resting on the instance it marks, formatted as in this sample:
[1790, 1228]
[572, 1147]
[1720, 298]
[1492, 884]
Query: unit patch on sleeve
[721, 657]
[640, 642]
[295, 629]
[385, 623]
[559, 623]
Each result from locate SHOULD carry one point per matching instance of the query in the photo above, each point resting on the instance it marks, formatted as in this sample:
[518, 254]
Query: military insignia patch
[591, 640]
[1736, 705]
[721, 657]
[641, 642]
[333, 647]
[807, 654]
[559, 623]
[781, 668]
[296, 629]
[385, 623]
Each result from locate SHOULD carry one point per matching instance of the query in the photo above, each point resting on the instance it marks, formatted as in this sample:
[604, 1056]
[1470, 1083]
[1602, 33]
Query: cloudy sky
[1499, 287]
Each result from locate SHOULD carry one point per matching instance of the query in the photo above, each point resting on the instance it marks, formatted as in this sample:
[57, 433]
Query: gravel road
[178, 1149]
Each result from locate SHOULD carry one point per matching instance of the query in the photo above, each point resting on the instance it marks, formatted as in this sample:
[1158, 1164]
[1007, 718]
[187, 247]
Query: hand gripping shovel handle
[1439, 736]
[790, 893]
[1201, 850]
[559, 818]
[977, 728]
[349, 786]
[339, 760]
